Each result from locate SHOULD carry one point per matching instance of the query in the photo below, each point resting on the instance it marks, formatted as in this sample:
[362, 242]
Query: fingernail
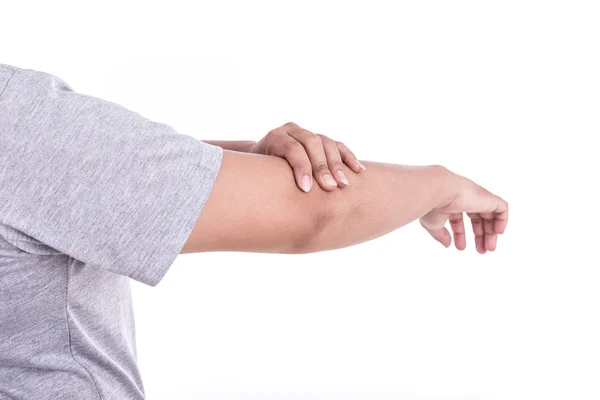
[342, 177]
[360, 165]
[329, 180]
[306, 183]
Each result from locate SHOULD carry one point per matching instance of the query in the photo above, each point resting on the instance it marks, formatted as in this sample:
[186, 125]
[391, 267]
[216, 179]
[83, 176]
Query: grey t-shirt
[91, 194]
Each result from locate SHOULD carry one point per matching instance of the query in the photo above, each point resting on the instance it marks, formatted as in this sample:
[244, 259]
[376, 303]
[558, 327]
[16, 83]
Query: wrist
[448, 185]
[250, 146]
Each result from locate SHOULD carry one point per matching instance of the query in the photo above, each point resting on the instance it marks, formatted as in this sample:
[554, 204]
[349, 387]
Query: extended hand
[488, 214]
[309, 155]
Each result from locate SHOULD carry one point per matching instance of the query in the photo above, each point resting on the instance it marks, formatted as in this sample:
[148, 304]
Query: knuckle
[291, 124]
[291, 146]
[329, 142]
[320, 168]
[314, 140]
[272, 133]
[335, 165]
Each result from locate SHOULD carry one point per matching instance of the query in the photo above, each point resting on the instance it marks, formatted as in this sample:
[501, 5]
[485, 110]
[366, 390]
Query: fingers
[349, 158]
[486, 231]
[313, 145]
[311, 155]
[458, 228]
[334, 160]
[501, 217]
[478, 231]
[488, 225]
[294, 153]
[490, 234]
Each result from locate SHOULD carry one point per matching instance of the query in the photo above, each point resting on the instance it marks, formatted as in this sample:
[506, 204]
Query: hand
[488, 214]
[309, 155]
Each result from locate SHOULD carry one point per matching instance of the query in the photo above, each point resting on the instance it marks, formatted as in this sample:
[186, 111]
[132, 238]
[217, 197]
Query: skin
[256, 206]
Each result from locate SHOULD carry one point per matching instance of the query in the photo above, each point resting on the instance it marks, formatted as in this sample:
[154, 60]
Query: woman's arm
[255, 207]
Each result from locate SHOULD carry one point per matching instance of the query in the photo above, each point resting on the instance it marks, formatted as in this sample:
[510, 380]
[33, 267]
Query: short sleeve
[93, 180]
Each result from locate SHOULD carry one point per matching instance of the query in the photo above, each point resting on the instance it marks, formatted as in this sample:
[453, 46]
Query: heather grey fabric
[91, 195]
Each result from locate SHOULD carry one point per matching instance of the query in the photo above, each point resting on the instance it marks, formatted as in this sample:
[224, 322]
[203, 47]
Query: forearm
[255, 206]
[243, 146]
[383, 198]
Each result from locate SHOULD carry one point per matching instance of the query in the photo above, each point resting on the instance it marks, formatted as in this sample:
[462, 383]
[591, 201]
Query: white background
[506, 93]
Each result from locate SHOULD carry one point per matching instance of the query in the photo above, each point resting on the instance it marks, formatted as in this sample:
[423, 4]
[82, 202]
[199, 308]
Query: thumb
[434, 224]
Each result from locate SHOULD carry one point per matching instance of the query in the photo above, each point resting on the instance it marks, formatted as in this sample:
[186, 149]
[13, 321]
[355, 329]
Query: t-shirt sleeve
[95, 181]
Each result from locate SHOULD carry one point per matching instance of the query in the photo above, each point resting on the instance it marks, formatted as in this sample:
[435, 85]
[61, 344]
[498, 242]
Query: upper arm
[92, 180]
[255, 206]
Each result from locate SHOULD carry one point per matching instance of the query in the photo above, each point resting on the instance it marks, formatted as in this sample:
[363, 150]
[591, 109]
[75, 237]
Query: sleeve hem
[200, 183]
